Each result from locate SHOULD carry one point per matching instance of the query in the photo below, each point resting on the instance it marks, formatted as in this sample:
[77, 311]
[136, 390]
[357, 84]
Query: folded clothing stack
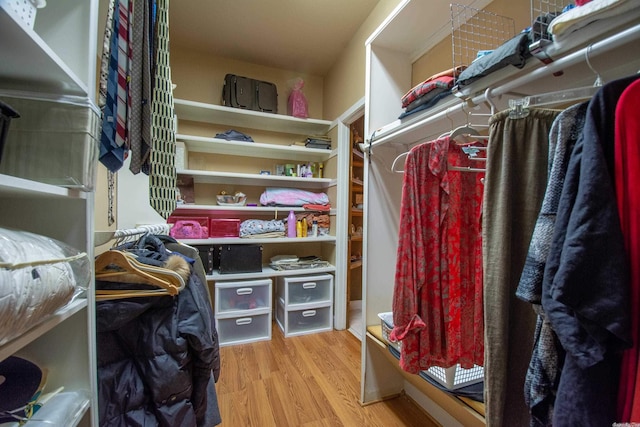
[427, 93]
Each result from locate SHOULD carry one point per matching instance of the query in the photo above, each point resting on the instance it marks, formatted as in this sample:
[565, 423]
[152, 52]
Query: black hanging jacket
[156, 355]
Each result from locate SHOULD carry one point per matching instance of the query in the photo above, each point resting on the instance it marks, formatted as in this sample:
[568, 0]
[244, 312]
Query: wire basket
[456, 377]
[542, 12]
[476, 32]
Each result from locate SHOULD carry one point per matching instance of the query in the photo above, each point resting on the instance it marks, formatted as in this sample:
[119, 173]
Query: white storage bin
[305, 321]
[305, 289]
[234, 297]
[52, 142]
[244, 329]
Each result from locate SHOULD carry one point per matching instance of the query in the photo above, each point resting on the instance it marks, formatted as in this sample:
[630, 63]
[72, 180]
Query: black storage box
[6, 114]
[240, 258]
[209, 254]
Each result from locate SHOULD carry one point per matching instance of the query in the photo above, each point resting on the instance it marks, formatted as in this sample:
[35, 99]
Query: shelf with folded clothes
[576, 61]
[258, 240]
[243, 210]
[202, 144]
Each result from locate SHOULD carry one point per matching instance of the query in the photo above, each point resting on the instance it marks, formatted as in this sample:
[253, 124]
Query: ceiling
[306, 36]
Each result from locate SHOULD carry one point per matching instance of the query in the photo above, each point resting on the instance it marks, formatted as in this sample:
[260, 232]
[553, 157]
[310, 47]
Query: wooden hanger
[129, 270]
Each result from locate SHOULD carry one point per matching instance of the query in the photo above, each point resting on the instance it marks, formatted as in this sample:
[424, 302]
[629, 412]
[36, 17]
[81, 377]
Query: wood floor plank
[311, 381]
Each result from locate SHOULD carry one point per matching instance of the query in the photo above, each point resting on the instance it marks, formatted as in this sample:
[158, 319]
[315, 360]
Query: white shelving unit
[230, 210]
[218, 114]
[291, 127]
[390, 53]
[206, 177]
[253, 149]
[56, 61]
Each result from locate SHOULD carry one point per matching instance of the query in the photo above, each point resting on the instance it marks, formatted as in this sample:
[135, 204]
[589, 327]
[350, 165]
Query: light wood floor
[311, 380]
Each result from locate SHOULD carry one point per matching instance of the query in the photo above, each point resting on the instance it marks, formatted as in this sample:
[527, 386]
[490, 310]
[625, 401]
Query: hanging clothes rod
[102, 237]
[490, 93]
[608, 43]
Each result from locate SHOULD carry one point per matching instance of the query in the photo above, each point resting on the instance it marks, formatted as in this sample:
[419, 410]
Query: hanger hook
[599, 80]
[446, 113]
[466, 113]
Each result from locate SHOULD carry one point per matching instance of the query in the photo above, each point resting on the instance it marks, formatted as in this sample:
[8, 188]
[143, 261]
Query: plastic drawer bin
[53, 142]
[305, 289]
[305, 321]
[244, 329]
[236, 297]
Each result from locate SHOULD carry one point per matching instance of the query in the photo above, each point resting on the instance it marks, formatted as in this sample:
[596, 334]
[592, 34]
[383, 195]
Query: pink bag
[297, 102]
[189, 229]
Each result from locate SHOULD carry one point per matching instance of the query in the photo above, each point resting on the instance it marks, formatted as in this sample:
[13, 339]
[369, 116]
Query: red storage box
[224, 227]
[189, 227]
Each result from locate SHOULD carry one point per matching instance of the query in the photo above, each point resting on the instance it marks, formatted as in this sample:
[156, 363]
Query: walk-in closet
[364, 213]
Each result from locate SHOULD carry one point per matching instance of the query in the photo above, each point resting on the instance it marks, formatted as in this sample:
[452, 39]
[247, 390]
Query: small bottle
[305, 227]
[320, 170]
[299, 229]
[314, 228]
[291, 224]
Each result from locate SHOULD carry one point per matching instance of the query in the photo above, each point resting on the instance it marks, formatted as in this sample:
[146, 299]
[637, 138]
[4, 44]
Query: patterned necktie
[123, 74]
[102, 99]
[162, 176]
[140, 89]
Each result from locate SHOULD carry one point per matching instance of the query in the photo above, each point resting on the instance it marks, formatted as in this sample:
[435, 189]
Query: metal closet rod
[576, 57]
[490, 93]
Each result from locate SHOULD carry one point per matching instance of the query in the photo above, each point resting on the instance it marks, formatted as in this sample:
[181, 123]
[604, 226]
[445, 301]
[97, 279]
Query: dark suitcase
[250, 94]
[240, 259]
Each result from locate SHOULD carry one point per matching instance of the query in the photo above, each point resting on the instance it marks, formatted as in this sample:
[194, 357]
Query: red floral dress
[437, 299]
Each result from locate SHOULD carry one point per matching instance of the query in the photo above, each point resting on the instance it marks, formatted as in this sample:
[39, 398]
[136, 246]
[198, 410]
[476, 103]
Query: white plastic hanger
[520, 107]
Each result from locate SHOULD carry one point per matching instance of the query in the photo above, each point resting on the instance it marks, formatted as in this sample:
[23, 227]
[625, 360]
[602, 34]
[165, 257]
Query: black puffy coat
[157, 355]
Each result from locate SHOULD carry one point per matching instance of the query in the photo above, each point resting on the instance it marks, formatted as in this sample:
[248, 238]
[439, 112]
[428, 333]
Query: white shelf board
[411, 129]
[34, 66]
[11, 186]
[253, 149]
[246, 209]
[42, 328]
[249, 241]
[211, 177]
[218, 114]
[416, 26]
[269, 272]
